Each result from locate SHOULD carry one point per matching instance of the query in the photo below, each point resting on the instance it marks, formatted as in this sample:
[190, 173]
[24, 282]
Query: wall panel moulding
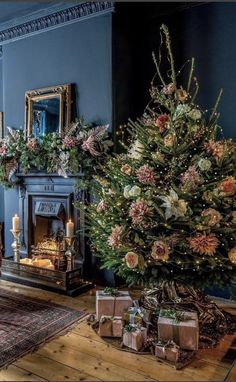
[51, 18]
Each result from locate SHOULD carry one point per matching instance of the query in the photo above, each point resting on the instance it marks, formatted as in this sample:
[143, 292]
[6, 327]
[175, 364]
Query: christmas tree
[166, 207]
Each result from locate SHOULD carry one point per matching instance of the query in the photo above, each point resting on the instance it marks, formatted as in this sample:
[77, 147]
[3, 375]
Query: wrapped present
[181, 327]
[167, 350]
[134, 336]
[110, 326]
[110, 302]
[137, 315]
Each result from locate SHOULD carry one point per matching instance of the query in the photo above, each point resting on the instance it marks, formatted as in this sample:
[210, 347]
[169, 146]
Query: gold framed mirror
[47, 110]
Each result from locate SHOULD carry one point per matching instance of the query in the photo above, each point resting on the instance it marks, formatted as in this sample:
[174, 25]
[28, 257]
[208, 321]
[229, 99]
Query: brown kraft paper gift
[107, 305]
[169, 351]
[110, 326]
[135, 339]
[184, 333]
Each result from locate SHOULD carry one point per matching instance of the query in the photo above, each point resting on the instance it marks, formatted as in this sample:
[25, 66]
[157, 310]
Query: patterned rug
[26, 323]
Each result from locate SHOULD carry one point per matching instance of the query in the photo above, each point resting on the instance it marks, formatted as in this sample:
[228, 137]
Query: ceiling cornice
[50, 18]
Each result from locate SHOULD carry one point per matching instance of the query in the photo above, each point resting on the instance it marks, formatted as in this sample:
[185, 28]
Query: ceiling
[10, 10]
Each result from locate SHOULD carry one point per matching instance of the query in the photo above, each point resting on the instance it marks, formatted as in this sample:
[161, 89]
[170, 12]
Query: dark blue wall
[1, 109]
[79, 53]
[204, 31]
[207, 32]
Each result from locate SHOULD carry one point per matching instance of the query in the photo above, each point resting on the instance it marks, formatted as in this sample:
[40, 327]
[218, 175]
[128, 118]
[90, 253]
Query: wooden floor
[81, 355]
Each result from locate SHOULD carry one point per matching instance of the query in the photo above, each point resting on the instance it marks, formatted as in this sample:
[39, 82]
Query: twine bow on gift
[168, 345]
[113, 292]
[111, 320]
[105, 319]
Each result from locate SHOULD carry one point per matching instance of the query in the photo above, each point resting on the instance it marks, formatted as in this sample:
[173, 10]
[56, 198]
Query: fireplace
[46, 204]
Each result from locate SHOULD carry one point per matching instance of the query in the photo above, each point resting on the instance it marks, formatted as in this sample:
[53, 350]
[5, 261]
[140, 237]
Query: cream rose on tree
[131, 259]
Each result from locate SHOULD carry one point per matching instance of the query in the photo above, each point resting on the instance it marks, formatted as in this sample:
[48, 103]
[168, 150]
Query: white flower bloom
[204, 164]
[136, 150]
[135, 191]
[195, 128]
[131, 192]
[195, 114]
[126, 192]
[181, 110]
[174, 206]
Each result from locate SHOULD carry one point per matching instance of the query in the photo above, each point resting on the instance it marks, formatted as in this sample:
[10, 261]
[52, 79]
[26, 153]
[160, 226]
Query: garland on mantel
[81, 148]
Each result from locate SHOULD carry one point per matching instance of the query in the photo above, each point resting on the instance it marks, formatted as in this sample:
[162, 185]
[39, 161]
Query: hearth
[49, 259]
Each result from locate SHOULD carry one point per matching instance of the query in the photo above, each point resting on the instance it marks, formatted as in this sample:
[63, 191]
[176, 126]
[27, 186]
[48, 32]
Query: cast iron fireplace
[46, 203]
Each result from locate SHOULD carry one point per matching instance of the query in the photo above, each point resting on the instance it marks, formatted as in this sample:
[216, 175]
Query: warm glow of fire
[47, 245]
[47, 254]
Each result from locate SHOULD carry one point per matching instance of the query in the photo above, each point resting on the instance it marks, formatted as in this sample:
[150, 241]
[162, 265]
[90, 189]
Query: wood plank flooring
[81, 355]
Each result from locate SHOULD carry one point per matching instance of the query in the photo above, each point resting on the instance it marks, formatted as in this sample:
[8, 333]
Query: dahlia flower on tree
[167, 208]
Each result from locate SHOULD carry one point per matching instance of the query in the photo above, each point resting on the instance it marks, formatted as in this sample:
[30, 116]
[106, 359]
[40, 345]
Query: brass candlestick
[16, 244]
[70, 253]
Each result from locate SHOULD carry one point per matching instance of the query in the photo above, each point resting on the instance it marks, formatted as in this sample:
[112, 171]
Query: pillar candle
[16, 223]
[70, 229]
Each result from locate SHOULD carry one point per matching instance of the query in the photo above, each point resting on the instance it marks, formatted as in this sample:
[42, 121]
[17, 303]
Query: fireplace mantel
[41, 187]
[42, 184]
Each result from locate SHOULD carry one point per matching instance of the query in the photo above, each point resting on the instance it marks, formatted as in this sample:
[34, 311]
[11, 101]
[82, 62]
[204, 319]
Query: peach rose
[169, 140]
[3, 151]
[131, 259]
[181, 94]
[169, 89]
[102, 206]
[234, 217]
[126, 169]
[212, 216]
[160, 251]
[217, 149]
[232, 255]
[228, 186]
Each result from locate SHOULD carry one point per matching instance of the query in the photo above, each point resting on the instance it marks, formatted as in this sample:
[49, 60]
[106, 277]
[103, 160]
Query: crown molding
[51, 18]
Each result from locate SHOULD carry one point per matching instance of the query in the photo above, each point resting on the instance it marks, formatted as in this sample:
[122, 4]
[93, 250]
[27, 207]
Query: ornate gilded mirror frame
[62, 93]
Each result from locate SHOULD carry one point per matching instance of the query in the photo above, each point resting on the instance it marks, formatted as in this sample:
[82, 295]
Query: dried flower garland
[80, 149]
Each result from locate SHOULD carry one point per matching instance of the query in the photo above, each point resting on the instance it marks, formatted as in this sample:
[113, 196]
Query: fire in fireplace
[49, 253]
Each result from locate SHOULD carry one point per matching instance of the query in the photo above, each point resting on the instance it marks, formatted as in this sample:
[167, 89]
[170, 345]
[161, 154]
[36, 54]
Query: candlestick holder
[70, 253]
[16, 244]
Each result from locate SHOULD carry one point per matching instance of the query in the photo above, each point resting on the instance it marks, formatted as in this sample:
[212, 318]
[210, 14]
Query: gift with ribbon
[134, 336]
[137, 314]
[168, 350]
[111, 302]
[179, 326]
[110, 326]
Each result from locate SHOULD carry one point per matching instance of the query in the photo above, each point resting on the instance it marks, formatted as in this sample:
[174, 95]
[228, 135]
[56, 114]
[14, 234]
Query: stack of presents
[166, 332]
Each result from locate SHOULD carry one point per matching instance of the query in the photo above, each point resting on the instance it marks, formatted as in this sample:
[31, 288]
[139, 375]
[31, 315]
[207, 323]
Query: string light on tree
[182, 217]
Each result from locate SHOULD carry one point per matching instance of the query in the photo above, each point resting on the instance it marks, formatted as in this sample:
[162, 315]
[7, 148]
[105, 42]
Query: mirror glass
[48, 110]
[45, 116]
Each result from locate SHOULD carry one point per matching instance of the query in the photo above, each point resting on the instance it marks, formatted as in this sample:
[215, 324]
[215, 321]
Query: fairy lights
[199, 239]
